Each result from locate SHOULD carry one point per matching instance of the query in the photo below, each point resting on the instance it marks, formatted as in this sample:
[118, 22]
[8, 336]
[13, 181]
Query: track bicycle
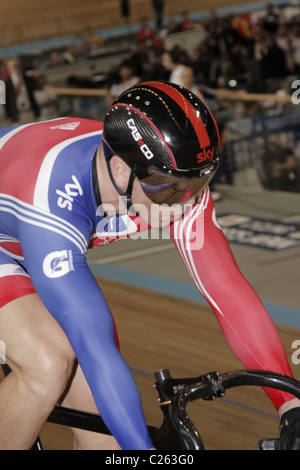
[177, 431]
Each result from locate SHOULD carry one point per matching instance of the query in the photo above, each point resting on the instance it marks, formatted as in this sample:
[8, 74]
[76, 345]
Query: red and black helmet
[167, 136]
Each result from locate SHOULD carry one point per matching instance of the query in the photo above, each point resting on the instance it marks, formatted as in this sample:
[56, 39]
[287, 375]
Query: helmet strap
[125, 195]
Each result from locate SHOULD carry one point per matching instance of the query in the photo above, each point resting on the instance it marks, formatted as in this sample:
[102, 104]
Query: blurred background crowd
[224, 57]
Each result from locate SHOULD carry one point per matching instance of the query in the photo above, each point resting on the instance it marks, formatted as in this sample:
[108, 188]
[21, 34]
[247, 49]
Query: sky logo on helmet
[139, 140]
[206, 154]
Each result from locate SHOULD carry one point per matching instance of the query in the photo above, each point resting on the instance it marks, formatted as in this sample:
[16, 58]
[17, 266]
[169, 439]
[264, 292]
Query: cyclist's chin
[157, 216]
[164, 220]
[157, 219]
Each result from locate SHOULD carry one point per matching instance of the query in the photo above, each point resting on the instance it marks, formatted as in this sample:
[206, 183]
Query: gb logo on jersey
[58, 263]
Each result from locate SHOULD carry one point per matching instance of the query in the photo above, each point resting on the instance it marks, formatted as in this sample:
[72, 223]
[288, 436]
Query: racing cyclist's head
[168, 138]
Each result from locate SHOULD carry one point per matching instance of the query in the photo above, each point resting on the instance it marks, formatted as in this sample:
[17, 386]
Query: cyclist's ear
[120, 172]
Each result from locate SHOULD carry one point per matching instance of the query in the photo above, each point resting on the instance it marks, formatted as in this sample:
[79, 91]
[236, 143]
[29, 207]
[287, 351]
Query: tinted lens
[168, 189]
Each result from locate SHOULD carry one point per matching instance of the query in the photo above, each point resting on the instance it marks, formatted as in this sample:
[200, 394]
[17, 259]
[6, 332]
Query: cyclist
[68, 185]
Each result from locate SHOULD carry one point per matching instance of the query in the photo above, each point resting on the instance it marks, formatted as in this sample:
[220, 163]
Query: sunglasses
[163, 188]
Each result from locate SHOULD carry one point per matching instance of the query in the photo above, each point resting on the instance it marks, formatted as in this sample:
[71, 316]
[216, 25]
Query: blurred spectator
[31, 77]
[21, 105]
[171, 62]
[212, 40]
[211, 23]
[140, 61]
[284, 40]
[297, 155]
[296, 50]
[201, 64]
[158, 6]
[229, 34]
[146, 33]
[281, 166]
[11, 110]
[188, 81]
[243, 25]
[4, 74]
[45, 99]
[171, 27]
[94, 40]
[17, 79]
[69, 55]
[158, 71]
[55, 59]
[273, 59]
[185, 23]
[126, 79]
[259, 45]
[158, 44]
[81, 46]
[270, 21]
[215, 77]
[236, 57]
[84, 43]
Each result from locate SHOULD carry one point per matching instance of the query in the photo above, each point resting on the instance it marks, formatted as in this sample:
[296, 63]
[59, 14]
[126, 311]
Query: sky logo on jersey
[139, 140]
[66, 198]
[58, 263]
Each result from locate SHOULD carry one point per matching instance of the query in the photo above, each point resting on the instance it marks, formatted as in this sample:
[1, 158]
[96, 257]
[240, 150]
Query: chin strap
[125, 195]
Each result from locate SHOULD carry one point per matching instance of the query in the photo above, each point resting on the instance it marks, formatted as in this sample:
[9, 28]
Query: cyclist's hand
[290, 430]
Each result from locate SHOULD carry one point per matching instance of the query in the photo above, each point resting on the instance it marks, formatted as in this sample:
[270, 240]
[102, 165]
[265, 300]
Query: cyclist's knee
[36, 348]
[46, 370]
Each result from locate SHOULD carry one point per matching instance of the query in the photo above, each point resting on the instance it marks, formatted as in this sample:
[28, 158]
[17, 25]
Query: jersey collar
[96, 188]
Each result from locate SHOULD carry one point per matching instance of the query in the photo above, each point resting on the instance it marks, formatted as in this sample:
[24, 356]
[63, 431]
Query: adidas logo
[71, 126]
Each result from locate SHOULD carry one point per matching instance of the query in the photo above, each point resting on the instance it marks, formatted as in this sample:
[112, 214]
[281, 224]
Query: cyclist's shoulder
[74, 125]
[55, 159]
[52, 131]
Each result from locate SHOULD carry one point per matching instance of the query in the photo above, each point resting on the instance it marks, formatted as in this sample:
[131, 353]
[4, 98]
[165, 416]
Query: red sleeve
[247, 326]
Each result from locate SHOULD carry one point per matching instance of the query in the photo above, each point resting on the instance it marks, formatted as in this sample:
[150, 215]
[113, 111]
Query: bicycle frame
[165, 437]
[177, 431]
[214, 385]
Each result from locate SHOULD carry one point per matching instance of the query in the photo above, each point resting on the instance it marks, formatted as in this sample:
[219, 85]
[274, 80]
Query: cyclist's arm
[246, 324]
[77, 303]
